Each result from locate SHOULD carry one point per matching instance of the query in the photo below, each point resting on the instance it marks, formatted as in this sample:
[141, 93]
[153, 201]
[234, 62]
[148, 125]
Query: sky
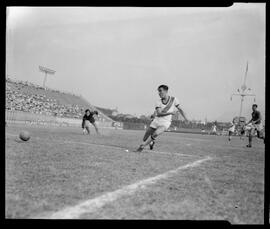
[118, 56]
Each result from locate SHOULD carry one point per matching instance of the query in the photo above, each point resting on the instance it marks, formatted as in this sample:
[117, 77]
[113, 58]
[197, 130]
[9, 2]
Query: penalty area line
[113, 146]
[124, 148]
[94, 204]
[13, 135]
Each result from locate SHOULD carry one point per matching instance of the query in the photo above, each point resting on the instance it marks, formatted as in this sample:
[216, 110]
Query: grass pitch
[60, 168]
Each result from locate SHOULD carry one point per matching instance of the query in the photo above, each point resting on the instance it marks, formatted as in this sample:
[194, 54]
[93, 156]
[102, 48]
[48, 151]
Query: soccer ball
[24, 135]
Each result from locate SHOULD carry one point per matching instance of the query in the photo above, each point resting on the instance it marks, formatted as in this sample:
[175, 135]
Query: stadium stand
[32, 101]
[28, 97]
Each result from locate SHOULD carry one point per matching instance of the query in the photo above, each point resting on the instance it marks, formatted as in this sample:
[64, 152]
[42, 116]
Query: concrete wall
[30, 118]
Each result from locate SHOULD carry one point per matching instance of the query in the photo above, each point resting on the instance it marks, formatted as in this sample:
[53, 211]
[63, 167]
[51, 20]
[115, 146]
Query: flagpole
[241, 106]
[246, 75]
[244, 87]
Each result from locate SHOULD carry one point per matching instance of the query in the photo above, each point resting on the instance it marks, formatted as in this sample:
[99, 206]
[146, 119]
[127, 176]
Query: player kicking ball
[254, 124]
[162, 117]
[88, 119]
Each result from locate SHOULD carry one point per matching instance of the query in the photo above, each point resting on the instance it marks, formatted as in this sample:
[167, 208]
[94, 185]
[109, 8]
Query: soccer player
[256, 125]
[162, 117]
[214, 129]
[87, 119]
[203, 131]
[242, 132]
[231, 129]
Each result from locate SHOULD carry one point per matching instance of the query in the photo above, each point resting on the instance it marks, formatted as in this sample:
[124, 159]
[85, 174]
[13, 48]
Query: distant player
[242, 132]
[231, 129]
[88, 119]
[214, 129]
[256, 125]
[161, 119]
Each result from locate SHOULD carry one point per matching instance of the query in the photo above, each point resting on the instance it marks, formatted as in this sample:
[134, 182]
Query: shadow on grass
[19, 141]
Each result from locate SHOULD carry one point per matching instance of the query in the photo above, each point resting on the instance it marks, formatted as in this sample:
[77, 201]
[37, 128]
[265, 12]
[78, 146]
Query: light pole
[46, 71]
[243, 92]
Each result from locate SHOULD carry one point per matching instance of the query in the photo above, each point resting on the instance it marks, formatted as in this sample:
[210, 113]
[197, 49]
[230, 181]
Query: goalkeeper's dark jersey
[90, 118]
[255, 116]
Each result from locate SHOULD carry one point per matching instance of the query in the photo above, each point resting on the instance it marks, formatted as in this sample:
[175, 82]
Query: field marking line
[168, 153]
[119, 147]
[197, 139]
[110, 146]
[94, 204]
[15, 135]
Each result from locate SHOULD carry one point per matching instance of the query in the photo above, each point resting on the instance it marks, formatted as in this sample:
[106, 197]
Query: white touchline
[92, 205]
[176, 154]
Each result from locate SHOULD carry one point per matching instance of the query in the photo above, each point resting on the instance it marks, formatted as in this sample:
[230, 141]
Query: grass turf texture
[56, 169]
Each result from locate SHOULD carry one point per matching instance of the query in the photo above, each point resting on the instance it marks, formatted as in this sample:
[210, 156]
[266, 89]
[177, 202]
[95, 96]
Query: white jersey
[168, 107]
[232, 127]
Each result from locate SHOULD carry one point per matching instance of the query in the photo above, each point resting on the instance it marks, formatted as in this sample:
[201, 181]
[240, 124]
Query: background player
[214, 129]
[256, 125]
[231, 129]
[87, 119]
[162, 117]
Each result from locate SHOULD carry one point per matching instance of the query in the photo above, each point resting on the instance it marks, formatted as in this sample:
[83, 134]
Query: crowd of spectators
[21, 84]
[38, 103]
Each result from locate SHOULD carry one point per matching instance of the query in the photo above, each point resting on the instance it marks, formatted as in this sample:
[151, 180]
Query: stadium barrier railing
[21, 117]
[134, 126]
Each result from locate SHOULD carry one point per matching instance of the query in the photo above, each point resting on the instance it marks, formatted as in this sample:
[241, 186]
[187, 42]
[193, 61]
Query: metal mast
[243, 92]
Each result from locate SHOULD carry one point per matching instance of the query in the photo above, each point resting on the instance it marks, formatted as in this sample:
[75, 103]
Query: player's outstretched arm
[182, 113]
[249, 121]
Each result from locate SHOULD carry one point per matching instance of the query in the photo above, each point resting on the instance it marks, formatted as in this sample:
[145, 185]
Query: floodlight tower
[46, 71]
[243, 93]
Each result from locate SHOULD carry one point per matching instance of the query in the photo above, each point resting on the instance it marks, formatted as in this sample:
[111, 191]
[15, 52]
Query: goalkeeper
[88, 119]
